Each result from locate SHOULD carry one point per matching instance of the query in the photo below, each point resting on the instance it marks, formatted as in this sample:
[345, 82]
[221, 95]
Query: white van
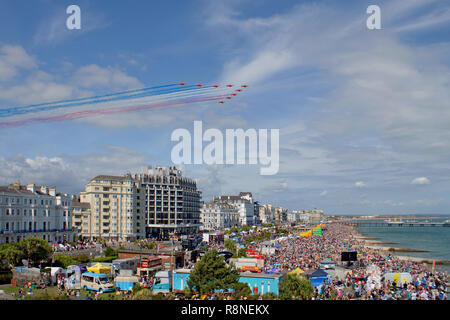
[96, 281]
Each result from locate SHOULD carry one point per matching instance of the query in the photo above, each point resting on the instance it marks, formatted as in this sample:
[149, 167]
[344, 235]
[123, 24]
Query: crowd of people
[67, 247]
[364, 279]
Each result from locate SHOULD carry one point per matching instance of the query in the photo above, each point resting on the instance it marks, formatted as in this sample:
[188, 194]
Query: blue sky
[363, 114]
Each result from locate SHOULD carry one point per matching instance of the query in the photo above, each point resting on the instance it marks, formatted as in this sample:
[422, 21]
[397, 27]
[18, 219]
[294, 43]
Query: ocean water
[434, 240]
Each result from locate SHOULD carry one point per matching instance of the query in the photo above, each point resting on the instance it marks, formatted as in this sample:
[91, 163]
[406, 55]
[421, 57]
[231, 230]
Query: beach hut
[99, 268]
[125, 283]
[318, 277]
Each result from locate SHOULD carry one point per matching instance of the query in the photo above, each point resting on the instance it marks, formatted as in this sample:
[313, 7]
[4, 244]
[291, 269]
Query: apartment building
[35, 211]
[281, 214]
[172, 202]
[81, 218]
[244, 205]
[310, 216]
[267, 213]
[218, 216]
[116, 209]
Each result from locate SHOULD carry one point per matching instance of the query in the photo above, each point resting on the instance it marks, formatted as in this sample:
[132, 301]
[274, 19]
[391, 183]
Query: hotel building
[35, 211]
[244, 205]
[115, 210]
[218, 216]
[172, 202]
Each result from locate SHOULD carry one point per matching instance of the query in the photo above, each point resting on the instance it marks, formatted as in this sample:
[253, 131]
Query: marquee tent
[99, 268]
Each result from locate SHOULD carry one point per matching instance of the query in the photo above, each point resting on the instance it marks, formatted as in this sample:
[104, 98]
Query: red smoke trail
[83, 114]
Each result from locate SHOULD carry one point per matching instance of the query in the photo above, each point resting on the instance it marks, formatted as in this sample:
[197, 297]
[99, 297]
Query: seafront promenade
[371, 276]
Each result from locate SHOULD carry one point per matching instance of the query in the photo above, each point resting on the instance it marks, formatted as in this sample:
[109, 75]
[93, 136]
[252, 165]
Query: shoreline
[371, 243]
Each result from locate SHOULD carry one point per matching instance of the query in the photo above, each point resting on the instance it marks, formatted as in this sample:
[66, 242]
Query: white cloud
[38, 87]
[33, 85]
[12, 60]
[71, 173]
[421, 180]
[323, 193]
[262, 66]
[360, 184]
[388, 109]
[94, 76]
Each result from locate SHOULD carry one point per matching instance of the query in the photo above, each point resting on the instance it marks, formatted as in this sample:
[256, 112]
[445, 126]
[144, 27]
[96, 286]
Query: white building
[267, 213]
[244, 205]
[35, 211]
[111, 208]
[295, 216]
[218, 216]
[308, 215]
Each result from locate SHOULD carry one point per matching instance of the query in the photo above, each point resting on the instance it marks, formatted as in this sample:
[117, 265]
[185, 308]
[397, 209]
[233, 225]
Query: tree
[35, 249]
[295, 287]
[151, 245]
[10, 254]
[82, 258]
[110, 252]
[64, 260]
[269, 296]
[231, 246]
[241, 290]
[242, 253]
[211, 274]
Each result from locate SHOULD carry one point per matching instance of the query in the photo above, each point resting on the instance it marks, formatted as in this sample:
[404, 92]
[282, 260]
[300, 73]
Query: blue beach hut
[318, 277]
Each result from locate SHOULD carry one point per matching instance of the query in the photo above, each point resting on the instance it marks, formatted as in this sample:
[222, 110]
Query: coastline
[373, 243]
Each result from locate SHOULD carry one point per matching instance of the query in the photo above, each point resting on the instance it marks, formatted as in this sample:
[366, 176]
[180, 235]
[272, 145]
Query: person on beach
[306, 253]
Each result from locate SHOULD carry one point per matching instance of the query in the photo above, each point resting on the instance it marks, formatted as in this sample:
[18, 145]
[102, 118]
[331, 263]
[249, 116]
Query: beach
[368, 277]
[399, 252]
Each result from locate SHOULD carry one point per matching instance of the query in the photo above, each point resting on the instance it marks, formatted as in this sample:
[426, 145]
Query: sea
[435, 241]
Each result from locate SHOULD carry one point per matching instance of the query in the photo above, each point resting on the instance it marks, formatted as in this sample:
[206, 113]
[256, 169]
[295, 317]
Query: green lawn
[53, 293]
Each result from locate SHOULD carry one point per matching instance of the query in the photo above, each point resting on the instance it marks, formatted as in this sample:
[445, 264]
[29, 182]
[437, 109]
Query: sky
[363, 114]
